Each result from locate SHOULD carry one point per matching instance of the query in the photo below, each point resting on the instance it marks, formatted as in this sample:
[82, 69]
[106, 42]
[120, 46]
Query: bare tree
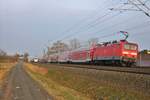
[92, 41]
[26, 55]
[2, 53]
[16, 56]
[74, 44]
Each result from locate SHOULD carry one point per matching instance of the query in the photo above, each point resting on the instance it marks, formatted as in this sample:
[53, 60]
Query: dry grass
[4, 69]
[56, 90]
[98, 85]
[36, 69]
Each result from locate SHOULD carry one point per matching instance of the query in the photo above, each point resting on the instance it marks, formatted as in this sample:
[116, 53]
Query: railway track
[135, 70]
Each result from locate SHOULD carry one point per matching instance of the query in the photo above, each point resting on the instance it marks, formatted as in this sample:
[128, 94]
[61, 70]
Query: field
[4, 69]
[75, 84]
[6, 63]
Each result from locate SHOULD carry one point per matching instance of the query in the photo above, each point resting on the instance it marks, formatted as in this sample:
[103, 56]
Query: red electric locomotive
[119, 53]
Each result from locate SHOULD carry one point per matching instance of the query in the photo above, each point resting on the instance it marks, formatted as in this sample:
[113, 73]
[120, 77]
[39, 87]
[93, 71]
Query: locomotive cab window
[130, 47]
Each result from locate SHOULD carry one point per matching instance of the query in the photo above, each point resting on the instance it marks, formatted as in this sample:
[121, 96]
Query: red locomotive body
[121, 52]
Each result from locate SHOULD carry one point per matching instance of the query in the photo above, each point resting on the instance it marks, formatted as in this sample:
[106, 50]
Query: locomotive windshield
[130, 47]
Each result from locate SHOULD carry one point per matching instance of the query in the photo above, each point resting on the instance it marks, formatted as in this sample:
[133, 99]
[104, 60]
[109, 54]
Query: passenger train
[121, 52]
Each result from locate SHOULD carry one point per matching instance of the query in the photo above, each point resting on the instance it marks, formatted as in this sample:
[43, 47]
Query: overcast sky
[31, 25]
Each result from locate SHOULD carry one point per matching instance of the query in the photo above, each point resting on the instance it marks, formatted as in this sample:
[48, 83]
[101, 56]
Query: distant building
[57, 47]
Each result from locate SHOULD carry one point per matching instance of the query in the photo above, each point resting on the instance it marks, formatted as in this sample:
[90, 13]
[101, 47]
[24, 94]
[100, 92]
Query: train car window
[126, 46]
[130, 47]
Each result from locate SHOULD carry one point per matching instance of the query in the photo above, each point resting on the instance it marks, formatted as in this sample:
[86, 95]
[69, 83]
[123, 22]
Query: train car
[63, 57]
[35, 60]
[122, 52]
[117, 53]
[81, 55]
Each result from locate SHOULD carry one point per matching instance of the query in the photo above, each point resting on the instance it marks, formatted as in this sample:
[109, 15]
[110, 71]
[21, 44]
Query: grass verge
[96, 85]
[4, 69]
[56, 90]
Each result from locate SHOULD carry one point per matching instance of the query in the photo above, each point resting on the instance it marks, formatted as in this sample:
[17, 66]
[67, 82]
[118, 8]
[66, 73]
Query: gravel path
[20, 86]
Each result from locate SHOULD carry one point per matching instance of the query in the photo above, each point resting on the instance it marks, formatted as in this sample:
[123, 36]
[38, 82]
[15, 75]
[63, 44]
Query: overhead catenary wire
[114, 25]
[126, 29]
[138, 26]
[88, 26]
[115, 33]
[146, 1]
[138, 4]
[76, 33]
[79, 23]
[139, 8]
[143, 4]
[92, 26]
[73, 27]
[131, 28]
[79, 31]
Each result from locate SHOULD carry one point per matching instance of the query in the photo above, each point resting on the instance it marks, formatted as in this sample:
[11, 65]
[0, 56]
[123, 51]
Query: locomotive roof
[113, 42]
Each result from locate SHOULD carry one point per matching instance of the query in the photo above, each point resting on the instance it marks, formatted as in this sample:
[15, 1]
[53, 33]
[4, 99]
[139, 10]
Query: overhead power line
[88, 26]
[92, 24]
[82, 21]
[138, 5]
[144, 4]
[146, 1]
[99, 21]
[95, 22]
[103, 30]
[105, 36]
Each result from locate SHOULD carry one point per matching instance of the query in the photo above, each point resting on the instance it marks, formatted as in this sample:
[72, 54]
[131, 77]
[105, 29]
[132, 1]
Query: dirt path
[20, 86]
